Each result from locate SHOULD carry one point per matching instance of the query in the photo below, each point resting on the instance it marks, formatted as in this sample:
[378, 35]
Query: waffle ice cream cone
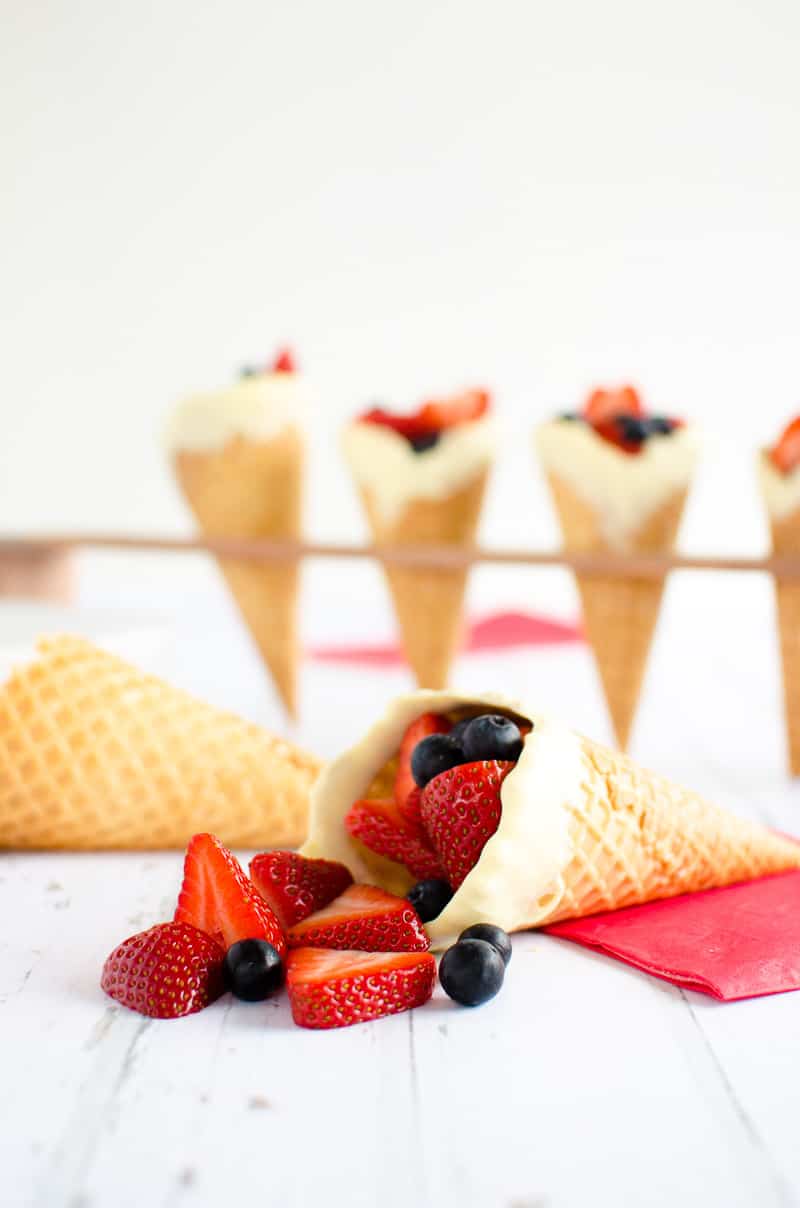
[253, 489]
[96, 755]
[583, 828]
[619, 615]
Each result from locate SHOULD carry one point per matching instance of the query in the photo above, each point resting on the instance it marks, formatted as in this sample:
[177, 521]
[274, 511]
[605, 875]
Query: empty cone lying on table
[568, 828]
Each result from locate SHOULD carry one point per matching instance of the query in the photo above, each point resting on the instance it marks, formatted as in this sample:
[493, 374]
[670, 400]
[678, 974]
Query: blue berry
[491, 736]
[471, 972]
[420, 444]
[495, 936]
[661, 425]
[435, 754]
[429, 898]
[252, 970]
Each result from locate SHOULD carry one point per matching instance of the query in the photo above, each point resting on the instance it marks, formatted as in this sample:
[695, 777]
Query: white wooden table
[584, 1082]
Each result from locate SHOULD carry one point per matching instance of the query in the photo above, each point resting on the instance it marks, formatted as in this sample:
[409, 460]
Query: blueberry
[429, 898]
[632, 429]
[491, 736]
[248, 371]
[457, 732]
[570, 416]
[433, 755]
[495, 936]
[252, 970]
[420, 444]
[661, 425]
[471, 972]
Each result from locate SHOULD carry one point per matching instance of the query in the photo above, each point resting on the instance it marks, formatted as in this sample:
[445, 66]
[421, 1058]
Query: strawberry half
[218, 898]
[284, 362]
[460, 409]
[460, 810]
[786, 453]
[381, 827]
[169, 971]
[295, 887]
[335, 989]
[366, 918]
[603, 405]
[428, 723]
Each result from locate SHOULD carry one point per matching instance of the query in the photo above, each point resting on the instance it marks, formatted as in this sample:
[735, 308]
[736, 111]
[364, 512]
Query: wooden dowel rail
[431, 557]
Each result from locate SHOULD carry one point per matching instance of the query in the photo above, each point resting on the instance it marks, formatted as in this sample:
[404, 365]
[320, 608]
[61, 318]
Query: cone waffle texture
[620, 615]
[429, 604]
[637, 837]
[786, 540]
[94, 755]
[253, 489]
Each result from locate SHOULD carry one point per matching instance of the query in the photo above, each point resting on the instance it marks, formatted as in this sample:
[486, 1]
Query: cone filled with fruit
[779, 474]
[238, 455]
[619, 480]
[422, 479]
[504, 817]
[96, 755]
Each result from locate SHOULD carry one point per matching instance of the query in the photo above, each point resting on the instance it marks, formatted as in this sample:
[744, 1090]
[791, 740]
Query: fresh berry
[411, 808]
[428, 440]
[429, 898]
[471, 972]
[409, 426]
[335, 989]
[460, 810]
[633, 430]
[607, 404]
[366, 918]
[434, 755]
[381, 827]
[491, 736]
[611, 431]
[217, 897]
[295, 887]
[284, 362]
[570, 416]
[786, 453]
[661, 425]
[252, 970]
[462, 408]
[421, 727]
[495, 936]
[169, 971]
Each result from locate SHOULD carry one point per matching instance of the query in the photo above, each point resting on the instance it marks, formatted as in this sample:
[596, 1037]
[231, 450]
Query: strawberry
[460, 810]
[410, 426]
[786, 453]
[410, 809]
[460, 409]
[284, 362]
[381, 827]
[295, 887]
[365, 918]
[613, 432]
[335, 989]
[169, 971]
[217, 897]
[428, 723]
[604, 405]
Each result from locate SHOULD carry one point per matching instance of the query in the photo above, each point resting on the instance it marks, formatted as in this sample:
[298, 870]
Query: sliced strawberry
[786, 453]
[381, 827]
[217, 897]
[335, 989]
[411, 809]
[460, 810]
[284, 362]
[462, 408]
[428, 723]
[410, 426]
[295, 887]
[613, 432]
[169, 971]
[606, 404]
[366, 918]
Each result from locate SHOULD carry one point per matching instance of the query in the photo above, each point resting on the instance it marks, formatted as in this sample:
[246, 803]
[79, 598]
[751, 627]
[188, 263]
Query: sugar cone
[619, 615]
[429, 604]
[786, 540]
[253, 489]
[637, 837]
[94, 755]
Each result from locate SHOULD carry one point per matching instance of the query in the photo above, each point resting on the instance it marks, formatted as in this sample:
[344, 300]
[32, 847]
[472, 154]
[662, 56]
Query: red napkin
[738, 942]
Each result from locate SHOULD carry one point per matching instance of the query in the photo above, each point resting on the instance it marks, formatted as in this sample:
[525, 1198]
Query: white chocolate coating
[257, 407]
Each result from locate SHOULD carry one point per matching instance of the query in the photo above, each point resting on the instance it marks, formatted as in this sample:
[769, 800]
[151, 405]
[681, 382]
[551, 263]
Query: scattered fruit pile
[423, 427]
[347, 953]
[619, 417]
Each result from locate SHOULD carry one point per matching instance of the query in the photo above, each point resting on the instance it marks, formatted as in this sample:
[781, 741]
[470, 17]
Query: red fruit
[786, 453]
[460, 810]
[169, 971]
[410, 809]
[606, 404]
[611, 431]
[217, 897]
[365, 918]
[382, 828]
[295, 887]
[409, 426]
[334, 989]
[462, 408]
[428, 723]
[284, 362]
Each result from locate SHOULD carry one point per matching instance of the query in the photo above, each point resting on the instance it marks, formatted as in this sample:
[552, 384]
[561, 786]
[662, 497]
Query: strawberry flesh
[603, 405]
[365, 918]
[167, 972]
[785, 455]
[462, 408]
[381, 827]
[219, 899]
[421, 727]
[284, 362]
[335, 989]
[295, 887]
[461, 810]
